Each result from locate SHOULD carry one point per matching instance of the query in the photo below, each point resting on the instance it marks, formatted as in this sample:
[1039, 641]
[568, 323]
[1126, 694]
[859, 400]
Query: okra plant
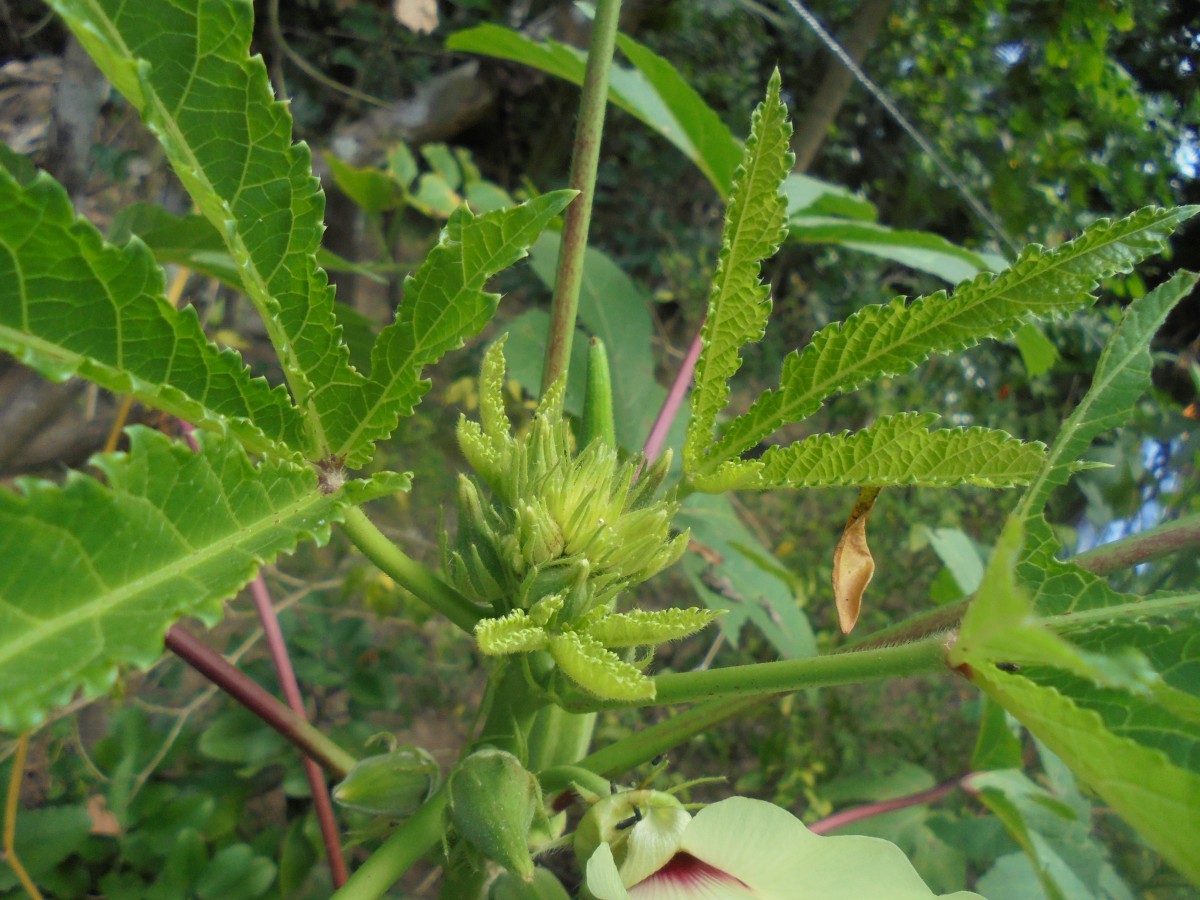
[559, 521]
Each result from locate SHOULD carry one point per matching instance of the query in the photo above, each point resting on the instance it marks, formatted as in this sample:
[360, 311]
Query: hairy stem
[411, 840]
[511, 712]
[212, 665]
[1140, 548]
[1104, 560]
[765, 682]
[558, 737]
[584, 162]
[922, 657]
[933, 621]
[409, 573]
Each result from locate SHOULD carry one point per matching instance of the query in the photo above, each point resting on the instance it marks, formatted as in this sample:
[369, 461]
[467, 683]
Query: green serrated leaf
[1059, 588]
[1166, 712]
[894, 338]
[1153, 794]
[493, 418]
[640, 627]
[598, 671]
[739, 304]
[70, 304]
[444, 303]
[1122, 376]
[895, 450]
[1001, 628]
[95, 573]
[364, 490]
[186, 67]
[1116, 702]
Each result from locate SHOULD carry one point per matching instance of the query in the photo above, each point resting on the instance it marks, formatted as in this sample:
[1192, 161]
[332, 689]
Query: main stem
[584, 162]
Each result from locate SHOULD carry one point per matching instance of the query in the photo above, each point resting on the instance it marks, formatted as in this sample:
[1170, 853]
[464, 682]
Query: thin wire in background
[911, 130]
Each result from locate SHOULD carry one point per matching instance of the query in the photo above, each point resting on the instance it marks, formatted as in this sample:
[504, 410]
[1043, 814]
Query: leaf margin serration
[739, 303]
[815, 373]
[127, 282]
[910, 454]
[401, 353]
[152, 543]
[289, 289]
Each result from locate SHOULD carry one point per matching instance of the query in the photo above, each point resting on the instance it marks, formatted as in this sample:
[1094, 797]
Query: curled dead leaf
[853, 565]
[103, 822]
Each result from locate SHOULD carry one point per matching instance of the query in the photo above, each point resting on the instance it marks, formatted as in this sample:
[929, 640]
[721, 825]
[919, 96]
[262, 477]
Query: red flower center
[685, 870]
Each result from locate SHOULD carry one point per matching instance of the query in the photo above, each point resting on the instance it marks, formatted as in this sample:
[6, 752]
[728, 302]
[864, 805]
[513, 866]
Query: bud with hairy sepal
[650, 480]
[493, 801]
[392, 784]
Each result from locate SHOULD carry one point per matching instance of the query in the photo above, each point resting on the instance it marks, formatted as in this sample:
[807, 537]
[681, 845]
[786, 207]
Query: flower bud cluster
[565, 534]
[559, 520]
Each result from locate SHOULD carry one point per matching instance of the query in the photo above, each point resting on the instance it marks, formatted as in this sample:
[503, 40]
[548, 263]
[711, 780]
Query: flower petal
[771, 851]
[602, 877]
[654, 840]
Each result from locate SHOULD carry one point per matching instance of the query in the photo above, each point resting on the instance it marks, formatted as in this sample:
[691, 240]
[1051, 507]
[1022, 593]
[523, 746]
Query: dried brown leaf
[420, 16]
[102, 819]
[853, 565]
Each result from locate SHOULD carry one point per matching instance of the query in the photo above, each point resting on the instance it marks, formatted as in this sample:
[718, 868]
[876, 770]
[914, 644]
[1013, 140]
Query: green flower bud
[543, 887]
[393, 784]
[598, 399]
[493, 800]
[643, 829]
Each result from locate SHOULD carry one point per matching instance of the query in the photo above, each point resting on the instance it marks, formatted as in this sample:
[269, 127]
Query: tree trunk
[831, 94]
